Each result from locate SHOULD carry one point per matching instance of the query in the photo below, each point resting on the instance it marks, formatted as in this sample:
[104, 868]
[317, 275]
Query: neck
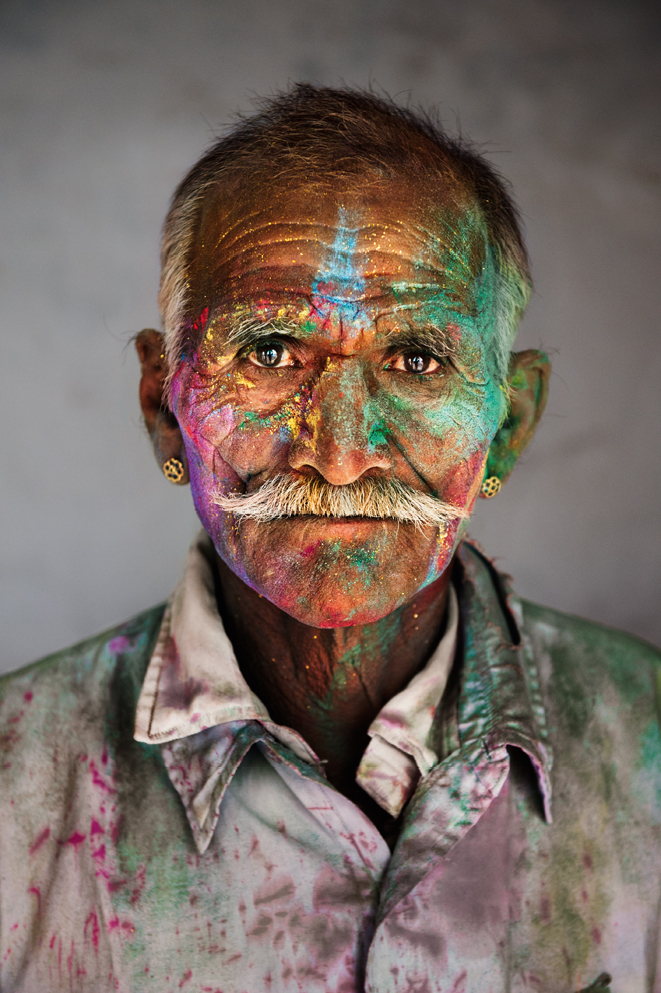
[329, 683]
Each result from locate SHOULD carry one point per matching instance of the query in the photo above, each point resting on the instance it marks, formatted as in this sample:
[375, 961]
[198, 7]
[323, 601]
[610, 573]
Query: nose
[342, 437]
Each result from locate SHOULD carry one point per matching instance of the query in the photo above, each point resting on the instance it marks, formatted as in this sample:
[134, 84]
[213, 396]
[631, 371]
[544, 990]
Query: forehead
[374, 244]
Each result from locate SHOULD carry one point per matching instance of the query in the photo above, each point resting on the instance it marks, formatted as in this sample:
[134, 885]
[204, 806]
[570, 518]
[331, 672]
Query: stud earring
[173, 470]
[491, 486]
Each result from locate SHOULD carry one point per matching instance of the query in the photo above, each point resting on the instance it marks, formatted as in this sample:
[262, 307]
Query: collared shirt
[195, 702]
[103, 887]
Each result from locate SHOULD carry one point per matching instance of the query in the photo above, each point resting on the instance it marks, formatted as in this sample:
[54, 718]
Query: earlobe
[528, 386]
[160, 422]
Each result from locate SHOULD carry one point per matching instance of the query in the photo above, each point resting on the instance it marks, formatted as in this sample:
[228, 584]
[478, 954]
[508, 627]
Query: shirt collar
[193, 680]
[500, 703]
[400, 750]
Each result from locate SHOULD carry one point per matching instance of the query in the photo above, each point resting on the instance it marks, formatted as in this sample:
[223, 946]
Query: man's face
[341, 336]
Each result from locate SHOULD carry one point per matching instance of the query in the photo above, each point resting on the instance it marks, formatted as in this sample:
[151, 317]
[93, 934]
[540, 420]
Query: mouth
[305, 526]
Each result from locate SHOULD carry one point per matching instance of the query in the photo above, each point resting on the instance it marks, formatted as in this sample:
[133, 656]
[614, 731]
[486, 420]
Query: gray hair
[376, 497]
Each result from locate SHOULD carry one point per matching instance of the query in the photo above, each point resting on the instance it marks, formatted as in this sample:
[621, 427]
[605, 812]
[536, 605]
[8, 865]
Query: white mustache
[294, 496]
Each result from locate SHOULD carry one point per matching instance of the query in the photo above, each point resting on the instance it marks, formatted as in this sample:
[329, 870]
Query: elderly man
[345, 756]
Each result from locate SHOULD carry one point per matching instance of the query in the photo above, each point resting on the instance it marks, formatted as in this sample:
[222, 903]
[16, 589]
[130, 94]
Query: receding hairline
[232, 203]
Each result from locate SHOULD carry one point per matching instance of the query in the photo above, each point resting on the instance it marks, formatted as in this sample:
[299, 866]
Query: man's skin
[331, 617]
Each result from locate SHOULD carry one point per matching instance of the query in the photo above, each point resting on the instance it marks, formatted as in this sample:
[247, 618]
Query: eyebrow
[253, 329]
[427, 337]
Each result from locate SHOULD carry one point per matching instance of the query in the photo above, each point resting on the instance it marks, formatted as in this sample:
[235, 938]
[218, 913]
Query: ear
[528, 387]
[159, 420]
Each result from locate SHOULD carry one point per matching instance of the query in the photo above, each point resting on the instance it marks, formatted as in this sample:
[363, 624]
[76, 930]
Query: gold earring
[173, 470]
[491, 486]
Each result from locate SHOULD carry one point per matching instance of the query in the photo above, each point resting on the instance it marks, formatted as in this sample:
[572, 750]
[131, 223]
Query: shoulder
[591, 653]
[601, 691]
[73, 689]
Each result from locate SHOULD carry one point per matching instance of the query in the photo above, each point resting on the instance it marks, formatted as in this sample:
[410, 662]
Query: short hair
[341, 134]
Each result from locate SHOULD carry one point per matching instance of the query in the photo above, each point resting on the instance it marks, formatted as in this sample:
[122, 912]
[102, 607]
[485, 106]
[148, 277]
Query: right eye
[271, 355]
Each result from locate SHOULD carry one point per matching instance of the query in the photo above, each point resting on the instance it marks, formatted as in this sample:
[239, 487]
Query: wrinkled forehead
[362, 242]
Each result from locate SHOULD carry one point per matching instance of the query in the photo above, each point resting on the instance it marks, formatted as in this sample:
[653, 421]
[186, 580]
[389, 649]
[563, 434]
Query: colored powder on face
[434, 429]
[340, 275]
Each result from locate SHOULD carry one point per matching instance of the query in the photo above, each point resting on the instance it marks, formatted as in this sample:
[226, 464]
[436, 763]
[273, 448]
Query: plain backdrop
[105, 103]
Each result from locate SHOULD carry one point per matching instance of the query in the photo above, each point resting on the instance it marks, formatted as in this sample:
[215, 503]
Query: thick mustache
[295, 496]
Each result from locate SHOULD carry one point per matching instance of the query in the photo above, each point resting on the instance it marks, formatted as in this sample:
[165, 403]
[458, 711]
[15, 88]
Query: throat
[329, 684]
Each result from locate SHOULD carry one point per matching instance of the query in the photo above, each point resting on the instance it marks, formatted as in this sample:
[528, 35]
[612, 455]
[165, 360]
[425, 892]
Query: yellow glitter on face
[242, 380]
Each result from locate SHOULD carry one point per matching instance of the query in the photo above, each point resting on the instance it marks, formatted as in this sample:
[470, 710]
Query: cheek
[226, 443]
[447, 435]
[204, 422]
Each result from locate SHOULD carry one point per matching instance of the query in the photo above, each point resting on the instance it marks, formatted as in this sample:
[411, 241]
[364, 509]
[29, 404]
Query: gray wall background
[103, 106]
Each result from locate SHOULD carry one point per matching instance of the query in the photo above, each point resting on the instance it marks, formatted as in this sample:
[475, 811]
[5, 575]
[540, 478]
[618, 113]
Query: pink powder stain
[185, 978]
[119, 644]
[28, 696]
[455, 332]
[52, 941]
[96, 828]
[92, 923]
[40, 839]
[309, 550]
[140, 879]
[98, 780]
[100, 854]
[76, 839]
[9, 739]
[101, 873]
[200, 323]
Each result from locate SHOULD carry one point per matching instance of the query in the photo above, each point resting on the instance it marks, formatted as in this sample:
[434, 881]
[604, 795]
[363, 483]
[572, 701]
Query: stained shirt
[194, 703]
[528, 857]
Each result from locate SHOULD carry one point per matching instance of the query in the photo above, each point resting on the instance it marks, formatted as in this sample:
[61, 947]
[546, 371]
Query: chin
[329, 573]
[334, 609]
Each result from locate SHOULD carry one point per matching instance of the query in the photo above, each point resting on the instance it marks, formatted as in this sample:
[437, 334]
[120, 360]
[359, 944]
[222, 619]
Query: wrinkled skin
[350, 290]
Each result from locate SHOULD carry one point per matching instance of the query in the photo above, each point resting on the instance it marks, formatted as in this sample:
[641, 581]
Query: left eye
[415, 362]
[271, 355]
